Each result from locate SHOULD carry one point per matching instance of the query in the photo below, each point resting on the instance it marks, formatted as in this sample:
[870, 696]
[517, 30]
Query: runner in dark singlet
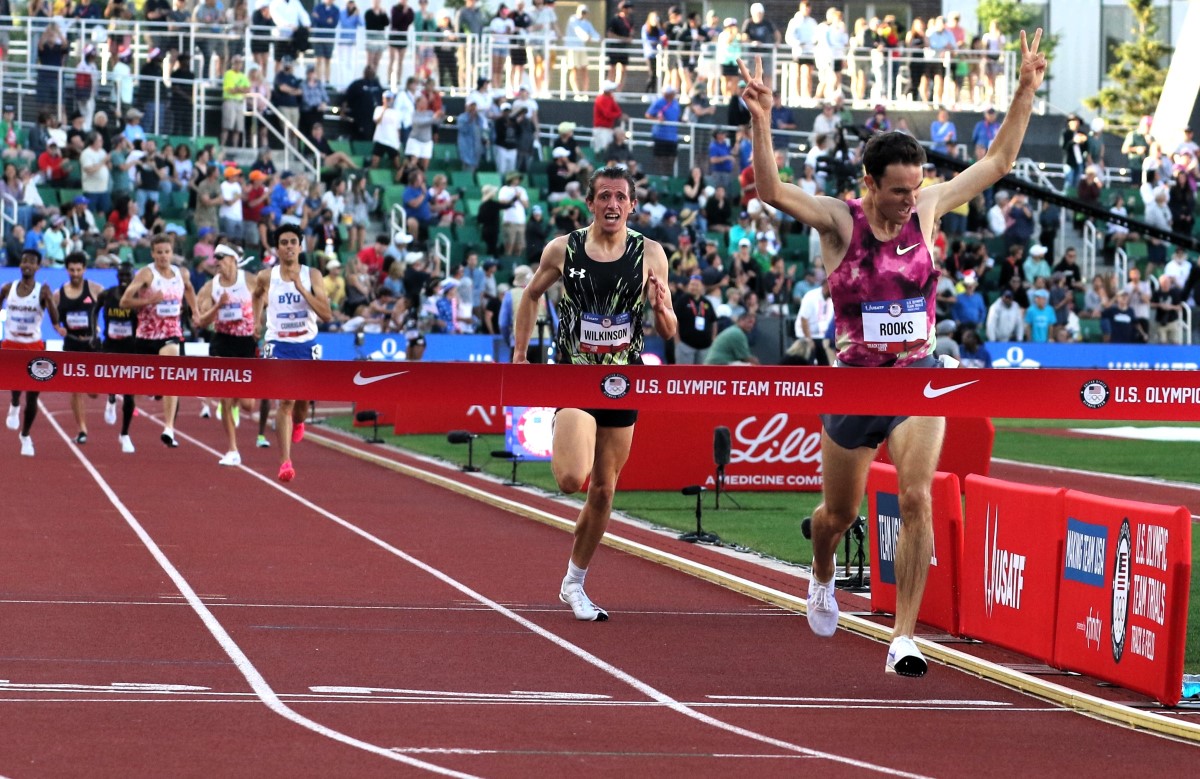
[882, 282]
[78, 303]
[610, 274]
[119, 329]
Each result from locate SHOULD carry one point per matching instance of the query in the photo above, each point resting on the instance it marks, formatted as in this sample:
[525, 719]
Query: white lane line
[256, 680]
[593, 660]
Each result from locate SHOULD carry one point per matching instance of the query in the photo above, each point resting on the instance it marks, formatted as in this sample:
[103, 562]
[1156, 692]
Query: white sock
[575, 574]
[169, 431]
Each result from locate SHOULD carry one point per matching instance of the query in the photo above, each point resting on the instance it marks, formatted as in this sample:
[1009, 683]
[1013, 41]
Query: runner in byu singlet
[25, 301]
[610, 274]
[158, 292]
[120, 337]
[78, 302]
[882, 282]
[227, 303]
[288, 301]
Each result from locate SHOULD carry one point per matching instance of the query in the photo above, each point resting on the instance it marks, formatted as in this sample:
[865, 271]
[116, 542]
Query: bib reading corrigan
[601, 309]
[883, 295]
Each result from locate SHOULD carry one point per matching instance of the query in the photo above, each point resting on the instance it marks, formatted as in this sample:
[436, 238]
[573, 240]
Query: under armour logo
[576, 273]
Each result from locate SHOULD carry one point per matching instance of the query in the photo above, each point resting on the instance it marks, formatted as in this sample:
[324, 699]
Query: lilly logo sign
[1003, 570]
[774, 443]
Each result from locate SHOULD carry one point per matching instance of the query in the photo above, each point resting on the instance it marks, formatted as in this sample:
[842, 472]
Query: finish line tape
[1037, 394]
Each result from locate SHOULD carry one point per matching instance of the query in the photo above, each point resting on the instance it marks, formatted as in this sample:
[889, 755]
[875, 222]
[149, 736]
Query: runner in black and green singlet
[610, 274]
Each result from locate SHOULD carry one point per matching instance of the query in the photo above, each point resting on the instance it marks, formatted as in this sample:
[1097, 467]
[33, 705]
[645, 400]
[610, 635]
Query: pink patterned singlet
[883, 295]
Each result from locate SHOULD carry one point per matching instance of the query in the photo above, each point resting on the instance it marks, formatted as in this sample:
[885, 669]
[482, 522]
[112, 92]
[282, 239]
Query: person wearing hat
[387, 131]
[579, 32]
[876, 253]
[1005, 318]
[1040, 317]
[226, 302]
[289, 299]
[158, 292]
[288, 89]
[229, 213]
[133, 129]
[606, 115]
[665, 112]
[609, 275]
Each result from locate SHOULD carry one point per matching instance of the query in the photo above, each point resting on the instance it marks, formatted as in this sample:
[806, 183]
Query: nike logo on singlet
[906, 250]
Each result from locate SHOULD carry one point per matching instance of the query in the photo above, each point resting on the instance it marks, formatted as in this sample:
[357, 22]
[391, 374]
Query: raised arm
[823, 214]
[945, 197]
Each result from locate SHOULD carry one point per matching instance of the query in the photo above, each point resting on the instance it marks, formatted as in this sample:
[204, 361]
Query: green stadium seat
[484, 178]
[1090, 330]
[381, 177]
[362, 148]
[343, 146]
[49, 195]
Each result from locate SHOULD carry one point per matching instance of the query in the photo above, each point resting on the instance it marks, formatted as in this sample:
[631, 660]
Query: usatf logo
[576, 273]
[1120, 594]
[1091, 628]
[1094, 394]
[42, 369]
[1003, 571]
[615, 386]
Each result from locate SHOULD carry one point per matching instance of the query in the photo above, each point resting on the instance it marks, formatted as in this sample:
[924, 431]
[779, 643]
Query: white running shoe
[230, 458]
[905, 659]
[572, 594]
[26, 446]
[823, 606]
[126, 444]
[110, 412]
[13, 422]
[205, 413]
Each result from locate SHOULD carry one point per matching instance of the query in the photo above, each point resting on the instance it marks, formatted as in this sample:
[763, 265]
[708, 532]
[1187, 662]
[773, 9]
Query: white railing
[1120, 267]
[1185, 316]
[1088, 259]
[289, 133]
[441, 255]
[7, 217]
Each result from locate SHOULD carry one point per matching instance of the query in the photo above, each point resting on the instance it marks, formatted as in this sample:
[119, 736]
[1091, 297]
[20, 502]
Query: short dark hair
[613, 173]
[34, 253]
[294, 229]
[76, 258]
[888, 149]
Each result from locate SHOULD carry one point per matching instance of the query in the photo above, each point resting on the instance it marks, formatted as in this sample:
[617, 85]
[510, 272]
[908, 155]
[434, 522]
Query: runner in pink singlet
[882, 282]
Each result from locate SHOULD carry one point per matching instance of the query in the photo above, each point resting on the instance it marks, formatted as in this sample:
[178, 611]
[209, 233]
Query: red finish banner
[1053, 394]
[1009, 569]
[939, 606]
[1123, 598]
[418, 417]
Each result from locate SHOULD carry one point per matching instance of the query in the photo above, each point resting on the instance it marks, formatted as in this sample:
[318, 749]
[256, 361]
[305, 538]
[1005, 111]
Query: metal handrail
[1088, 261]
[285, 137]
[5, 219]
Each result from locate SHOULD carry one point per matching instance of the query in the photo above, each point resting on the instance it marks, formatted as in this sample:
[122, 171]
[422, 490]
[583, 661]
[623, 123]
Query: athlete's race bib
[78, 320]
[168, 309]
[604, 334]
[120, 329]
[231, 313]
[895, 325]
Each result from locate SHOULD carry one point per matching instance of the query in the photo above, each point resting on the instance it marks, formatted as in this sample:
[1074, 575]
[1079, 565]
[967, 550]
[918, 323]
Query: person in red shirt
[746, 180]
[254, 200]
[372, 257]
[606, 113]
[50, 162]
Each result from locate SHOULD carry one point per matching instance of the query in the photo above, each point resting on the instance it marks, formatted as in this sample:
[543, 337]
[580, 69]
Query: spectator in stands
[1068, 266]
[133, 129]
[620, 32]
[95, 168]
[472, 137]
[229, 214]
[1019, 222]
[942, 133]
[1036, 266]
[619, 152]
[720, 158]
[1167, 302]
[208, 198]
[665, 112]
[387, 132]
[1158, 214]
[732, 345]
[349, 22]
[1119, 324]
[292, 23]
[360, 204]
[729, 51]
[801, 36]
[1182, 202]
[969, 307]
[579, 33]
[997, 215]
[514, 199]
[972, 353]
[985, 132]
[329, 158]
[1140, 292]
[416, 203]
[606, 115]
[1006, 318]
[1075, 149]
[313, 99]
[52, 52]
[419, 148]
[325, 18]
[832, 41]
[360, 101]
[52, 165]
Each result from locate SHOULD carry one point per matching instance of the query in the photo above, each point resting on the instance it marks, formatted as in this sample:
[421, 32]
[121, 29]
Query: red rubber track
[364, 641]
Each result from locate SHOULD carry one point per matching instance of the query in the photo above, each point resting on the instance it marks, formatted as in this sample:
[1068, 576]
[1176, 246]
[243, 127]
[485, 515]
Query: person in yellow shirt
[234, 87]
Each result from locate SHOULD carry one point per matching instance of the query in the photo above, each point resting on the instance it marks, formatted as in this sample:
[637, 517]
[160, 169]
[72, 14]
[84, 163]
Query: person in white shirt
[543, 34]
[579, 33]
[997, 215]
[95, 169]
[816, 312]
[387, 131]
[288, 16]
[1179, 267]
[514, 201]
[830, 54]
[801, 35]
[229, 213]
[1005, 319]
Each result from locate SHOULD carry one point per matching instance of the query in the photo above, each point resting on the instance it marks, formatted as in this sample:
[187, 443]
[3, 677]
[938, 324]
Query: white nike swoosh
[930, 392]
[363, 381]
[906, 250]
